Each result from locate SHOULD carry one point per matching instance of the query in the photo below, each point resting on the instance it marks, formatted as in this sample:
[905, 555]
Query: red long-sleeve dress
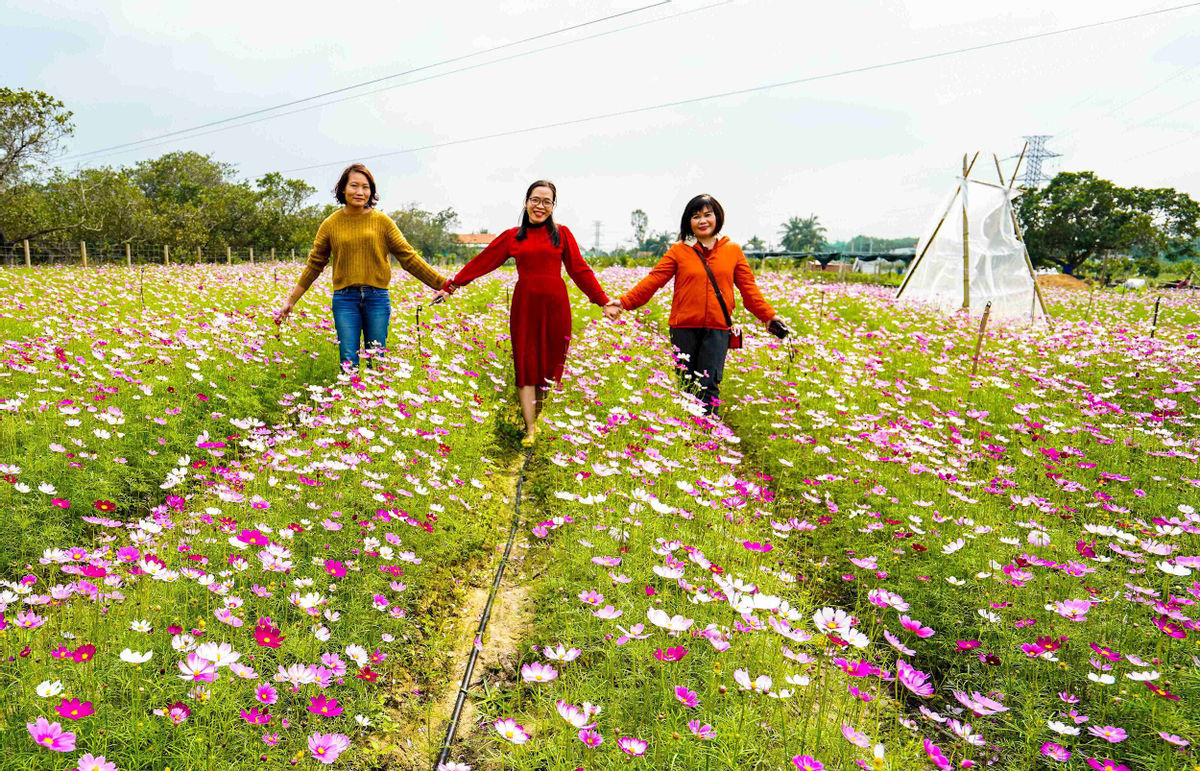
[540, 316]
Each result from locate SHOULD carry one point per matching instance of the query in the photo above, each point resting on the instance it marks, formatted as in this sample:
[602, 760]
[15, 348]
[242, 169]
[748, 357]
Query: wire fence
[89, 254]
[85, 253]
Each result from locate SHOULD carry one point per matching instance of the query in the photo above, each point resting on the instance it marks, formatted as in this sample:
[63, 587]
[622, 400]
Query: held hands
[284, 312]
[612, 311]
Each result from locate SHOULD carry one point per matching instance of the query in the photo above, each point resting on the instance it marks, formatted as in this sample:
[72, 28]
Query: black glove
[777, 328]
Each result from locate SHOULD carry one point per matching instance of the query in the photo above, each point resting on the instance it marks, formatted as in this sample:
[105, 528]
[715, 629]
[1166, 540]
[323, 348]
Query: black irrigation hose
[483, 620]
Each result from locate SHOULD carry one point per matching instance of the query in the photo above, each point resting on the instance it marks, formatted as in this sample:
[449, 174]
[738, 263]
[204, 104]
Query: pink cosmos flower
[51, 736]
[591, 597]
[916, 627]
[608, 613]
[325, 707]
[1107, 764]
[632, 746]
[27, 619]
[335, 568]
[1056, 752]
[1073, 610]
[197, 669]
[538, 673]
[89, 762]
[701, 731]
[590, 737]
[1178, 741]
[266, 635]
[508, 729]
[686, 698]
[913, 679]
[326, 748]
[266, 693]
[270, 739]
[575, 716]
[807, 763]
[856, 737]
[1108, 733]
[561, 653]
[894, 641]
[979, 704]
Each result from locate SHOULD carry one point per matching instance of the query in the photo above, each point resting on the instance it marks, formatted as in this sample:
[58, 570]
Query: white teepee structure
[973, 254]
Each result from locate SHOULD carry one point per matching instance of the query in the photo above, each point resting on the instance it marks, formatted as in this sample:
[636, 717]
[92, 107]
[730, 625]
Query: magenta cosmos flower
[51, 735]
[1107, 764]
[686, 698]
[74, 709]
[916, 627]
[701, 731]
[913, 679]
[325, 707]
[590, 737]
[327, 747]
[1108, 733]
[1056, 752]
[807, 763]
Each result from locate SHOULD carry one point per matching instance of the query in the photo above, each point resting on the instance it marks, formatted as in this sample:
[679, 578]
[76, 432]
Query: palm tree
[803, 234]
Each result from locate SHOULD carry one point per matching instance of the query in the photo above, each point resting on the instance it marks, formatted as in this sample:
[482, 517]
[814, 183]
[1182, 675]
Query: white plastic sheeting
[998, 269]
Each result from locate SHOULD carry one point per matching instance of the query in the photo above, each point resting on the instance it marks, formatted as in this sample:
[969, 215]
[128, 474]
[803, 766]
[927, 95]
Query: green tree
[658, 243]
[182, 177]
[1079, 218]
[430, 233]
[639, 221]
[102, 204]
[803, 234]
[755, 244]
[32, 127]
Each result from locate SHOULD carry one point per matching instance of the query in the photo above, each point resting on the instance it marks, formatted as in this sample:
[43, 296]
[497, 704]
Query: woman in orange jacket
[701, 319]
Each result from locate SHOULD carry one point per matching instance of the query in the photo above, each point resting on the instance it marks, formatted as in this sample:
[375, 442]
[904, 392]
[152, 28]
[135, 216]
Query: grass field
[221, 554]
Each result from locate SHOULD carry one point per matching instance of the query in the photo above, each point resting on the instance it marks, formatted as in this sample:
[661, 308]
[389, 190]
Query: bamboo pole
[1017, 168]
[83, 252]
[272, 254]
[128, 256]
[1154, 323]
[25, 244]
[252, 255]
[917, 261]
[966, 236]
[987, 311]
[166, 255]
[229, 255]
[293, 255]
[197, 255]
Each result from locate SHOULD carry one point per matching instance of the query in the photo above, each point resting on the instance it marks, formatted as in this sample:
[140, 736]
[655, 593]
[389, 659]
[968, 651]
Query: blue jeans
[704, 366]
[360, 313]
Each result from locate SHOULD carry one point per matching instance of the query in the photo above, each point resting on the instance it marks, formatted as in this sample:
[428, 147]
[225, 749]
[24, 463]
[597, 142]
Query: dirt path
[416, 744]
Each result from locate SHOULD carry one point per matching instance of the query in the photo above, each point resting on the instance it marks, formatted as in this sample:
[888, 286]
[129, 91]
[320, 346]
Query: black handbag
[735, 334]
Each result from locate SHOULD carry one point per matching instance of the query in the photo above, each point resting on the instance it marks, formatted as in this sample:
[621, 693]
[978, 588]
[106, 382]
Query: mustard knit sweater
[358, 246]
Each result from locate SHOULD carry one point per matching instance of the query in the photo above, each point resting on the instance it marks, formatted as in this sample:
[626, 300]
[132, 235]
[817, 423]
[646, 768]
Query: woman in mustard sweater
[357, 239]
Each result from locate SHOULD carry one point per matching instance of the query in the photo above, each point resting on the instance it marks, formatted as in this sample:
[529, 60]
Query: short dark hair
[339, 190]
[698, 204]
[551, 227]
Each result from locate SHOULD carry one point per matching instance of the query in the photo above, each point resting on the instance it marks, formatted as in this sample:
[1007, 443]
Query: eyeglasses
[546, 202]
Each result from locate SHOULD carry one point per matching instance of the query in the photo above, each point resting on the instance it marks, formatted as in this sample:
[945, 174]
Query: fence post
[197, 255]
[293, 255]
[229, 255]
[166, 255]
[25, 243]
[272, 254]
[987, 311]
[128, 256]
[83, 252]
[252, 255]
[1154, 323]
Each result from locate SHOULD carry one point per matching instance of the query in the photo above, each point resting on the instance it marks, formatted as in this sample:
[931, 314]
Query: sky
[871, 152]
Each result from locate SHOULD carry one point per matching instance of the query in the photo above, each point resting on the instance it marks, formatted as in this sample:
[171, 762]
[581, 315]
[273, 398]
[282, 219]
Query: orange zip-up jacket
[694, 303]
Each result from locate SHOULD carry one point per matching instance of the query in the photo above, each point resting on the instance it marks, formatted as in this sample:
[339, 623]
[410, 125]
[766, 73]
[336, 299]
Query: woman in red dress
[540, 317]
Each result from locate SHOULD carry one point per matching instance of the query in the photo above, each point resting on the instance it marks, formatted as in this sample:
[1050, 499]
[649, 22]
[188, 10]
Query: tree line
[184, 199]
[188, 200]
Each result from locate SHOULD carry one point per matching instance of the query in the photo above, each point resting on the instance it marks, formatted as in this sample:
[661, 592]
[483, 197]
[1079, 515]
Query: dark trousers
[360, 313]
[700, 358]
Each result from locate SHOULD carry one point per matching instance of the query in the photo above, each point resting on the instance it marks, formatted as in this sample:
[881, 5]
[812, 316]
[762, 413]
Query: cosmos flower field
[220, 553]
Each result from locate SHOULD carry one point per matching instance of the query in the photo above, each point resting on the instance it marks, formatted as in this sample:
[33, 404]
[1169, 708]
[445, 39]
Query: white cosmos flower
[987, 615]
[46, 689]
[362, 720]
[47, 488]
[1062, 728]
[1102, 679]
[134, 657]
[954, 546]
[955, 581]
[1173, 570]
[1142, 677]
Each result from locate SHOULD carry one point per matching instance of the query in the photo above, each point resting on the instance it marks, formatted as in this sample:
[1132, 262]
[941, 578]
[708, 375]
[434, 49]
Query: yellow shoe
[529, 438]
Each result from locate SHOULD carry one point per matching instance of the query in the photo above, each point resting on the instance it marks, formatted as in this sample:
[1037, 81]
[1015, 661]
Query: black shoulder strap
[717, 289]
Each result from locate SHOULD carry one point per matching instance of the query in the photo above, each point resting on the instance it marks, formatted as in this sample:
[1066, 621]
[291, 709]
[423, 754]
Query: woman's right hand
[284, 312]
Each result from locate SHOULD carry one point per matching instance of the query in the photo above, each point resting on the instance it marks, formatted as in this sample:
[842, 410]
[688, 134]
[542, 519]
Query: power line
[150, 143]
[371, 82]
[755, 89]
